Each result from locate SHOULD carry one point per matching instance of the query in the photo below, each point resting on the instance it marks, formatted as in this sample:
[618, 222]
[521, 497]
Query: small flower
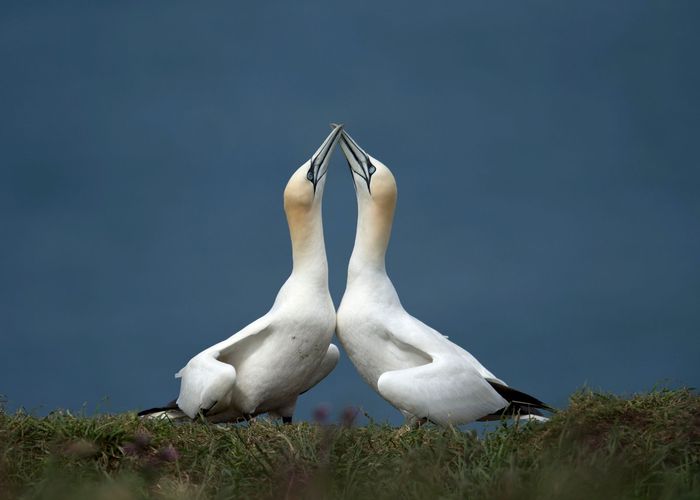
[321, 413]
[168, 454]
[142, 438]
[348, 416]
[139, 444]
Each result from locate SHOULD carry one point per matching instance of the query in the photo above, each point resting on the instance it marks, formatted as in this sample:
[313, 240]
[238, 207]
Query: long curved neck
[308, 247]
[374, 222]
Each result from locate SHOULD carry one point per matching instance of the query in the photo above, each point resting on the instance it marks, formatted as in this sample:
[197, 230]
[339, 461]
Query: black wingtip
[170, 406]
[519, 403]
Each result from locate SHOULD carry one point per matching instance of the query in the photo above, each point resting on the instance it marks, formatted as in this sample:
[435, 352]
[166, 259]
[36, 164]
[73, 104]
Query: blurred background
[546, 155]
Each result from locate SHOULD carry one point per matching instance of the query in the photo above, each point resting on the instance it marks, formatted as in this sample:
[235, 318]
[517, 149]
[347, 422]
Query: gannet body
[264, 367]
[415, 368]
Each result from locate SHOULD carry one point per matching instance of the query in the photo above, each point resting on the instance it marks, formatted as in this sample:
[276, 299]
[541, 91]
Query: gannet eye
[372, 169]
[310, 175]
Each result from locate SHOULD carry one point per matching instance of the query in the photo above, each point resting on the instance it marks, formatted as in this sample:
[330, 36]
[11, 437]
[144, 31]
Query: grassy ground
[600, 447]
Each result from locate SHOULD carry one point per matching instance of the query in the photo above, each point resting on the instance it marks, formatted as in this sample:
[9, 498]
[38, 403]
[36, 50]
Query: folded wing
[448, 388]
[326, 366]
[445, 391]
[208, 378]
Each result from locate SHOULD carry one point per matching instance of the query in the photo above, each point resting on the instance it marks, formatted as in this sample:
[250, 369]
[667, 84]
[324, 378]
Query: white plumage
[265, 366]
[414, 367]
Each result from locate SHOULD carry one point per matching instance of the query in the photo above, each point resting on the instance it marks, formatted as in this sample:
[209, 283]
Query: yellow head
[304, 194]
[376, 192]
[305, 187]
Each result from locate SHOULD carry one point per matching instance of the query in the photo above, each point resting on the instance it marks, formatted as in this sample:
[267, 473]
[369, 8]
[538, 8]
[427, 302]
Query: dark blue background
[546, 155]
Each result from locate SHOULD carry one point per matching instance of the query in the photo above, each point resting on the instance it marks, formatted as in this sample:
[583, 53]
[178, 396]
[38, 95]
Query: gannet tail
[520, 405]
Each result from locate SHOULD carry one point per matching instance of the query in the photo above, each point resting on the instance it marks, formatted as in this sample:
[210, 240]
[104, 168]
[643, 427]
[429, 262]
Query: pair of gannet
[264, 367]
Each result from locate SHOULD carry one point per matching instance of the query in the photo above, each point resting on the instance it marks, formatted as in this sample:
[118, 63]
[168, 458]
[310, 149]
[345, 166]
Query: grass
[600, 447]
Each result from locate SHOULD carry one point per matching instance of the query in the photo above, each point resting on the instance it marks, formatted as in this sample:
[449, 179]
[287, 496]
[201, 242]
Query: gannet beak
[319, 161]
[359, 162]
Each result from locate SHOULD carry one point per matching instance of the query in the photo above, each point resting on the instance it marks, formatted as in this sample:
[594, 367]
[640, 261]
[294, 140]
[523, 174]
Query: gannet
[414, 367]
[264, 367]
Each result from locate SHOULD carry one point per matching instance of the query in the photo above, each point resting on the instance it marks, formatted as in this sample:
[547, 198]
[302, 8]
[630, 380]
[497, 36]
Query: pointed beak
[359, 162]
[319, 161]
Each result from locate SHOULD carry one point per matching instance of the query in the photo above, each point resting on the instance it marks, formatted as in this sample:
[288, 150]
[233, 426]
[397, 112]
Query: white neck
[374, 222]
[308, 247]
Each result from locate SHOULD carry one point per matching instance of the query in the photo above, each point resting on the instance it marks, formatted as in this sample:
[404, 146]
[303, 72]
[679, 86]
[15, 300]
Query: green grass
[600, 447]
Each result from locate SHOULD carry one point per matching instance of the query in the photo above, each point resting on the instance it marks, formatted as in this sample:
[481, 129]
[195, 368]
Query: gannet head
[374, 182]
[305, 188]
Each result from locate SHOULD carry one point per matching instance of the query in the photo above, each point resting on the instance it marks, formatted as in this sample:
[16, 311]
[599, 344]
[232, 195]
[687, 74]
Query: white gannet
[412, 366]
[264, 367]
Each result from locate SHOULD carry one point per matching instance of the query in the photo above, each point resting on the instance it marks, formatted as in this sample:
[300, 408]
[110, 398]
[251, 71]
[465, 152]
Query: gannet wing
[444, 391]
[326, 366]
[212, 372]
[448, 388]
[202, 378]
[413, 331]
